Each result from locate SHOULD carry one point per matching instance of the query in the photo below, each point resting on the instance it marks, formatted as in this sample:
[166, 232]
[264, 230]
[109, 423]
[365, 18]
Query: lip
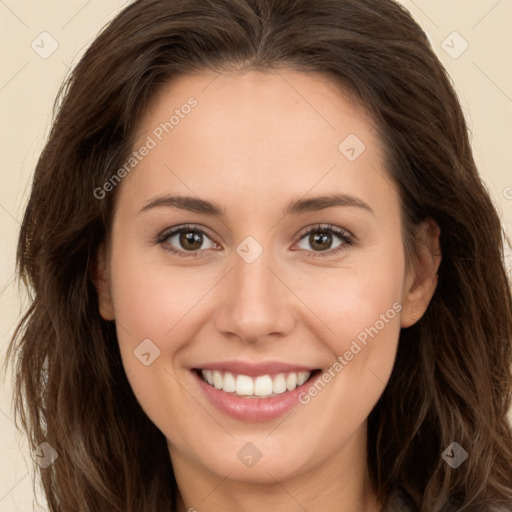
[255, 410]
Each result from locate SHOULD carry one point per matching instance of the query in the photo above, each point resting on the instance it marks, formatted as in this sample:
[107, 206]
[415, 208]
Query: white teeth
[261, 386]
[302, 377]
[291, 381]
[217, 379]
[229, 383]
[244, 385]
[208, 375]
[279, 384]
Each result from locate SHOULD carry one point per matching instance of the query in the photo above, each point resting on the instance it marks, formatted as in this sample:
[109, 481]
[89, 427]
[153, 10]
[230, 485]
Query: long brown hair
[452, 379]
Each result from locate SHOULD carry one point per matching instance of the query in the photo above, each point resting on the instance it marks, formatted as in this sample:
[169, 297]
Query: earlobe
[422, 282]
[102, 285]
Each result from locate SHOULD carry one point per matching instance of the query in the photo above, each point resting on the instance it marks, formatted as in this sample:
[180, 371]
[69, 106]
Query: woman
[266, 273]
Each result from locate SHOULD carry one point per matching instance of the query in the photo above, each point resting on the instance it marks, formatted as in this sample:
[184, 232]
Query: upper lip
[255, 369]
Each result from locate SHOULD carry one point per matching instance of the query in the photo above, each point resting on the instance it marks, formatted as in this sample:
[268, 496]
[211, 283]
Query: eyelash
[348, 240]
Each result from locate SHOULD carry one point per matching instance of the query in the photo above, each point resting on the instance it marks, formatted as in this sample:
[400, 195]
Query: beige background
[29, 83]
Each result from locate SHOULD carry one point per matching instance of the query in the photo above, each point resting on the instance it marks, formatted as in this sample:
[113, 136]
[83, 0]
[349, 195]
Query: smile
[262, 386]
[254, 392]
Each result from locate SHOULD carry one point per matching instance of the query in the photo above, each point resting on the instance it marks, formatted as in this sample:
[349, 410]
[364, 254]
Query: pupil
[191, 240]
[319, 238]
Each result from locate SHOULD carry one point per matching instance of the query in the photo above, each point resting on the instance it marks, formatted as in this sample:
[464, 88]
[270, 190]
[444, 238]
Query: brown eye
[191, 240]
[185, 239]
[320, 240]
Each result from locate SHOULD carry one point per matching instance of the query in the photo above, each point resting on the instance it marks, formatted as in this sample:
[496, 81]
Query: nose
[255, 302]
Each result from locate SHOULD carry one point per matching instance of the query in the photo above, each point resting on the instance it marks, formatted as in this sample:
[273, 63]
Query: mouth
[254, 392]
[262, 386]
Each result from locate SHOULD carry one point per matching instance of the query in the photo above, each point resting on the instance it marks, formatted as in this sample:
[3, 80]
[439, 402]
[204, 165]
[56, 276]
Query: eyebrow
[314, 204]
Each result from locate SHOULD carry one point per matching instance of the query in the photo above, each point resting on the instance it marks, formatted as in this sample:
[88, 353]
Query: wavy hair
[452, 380]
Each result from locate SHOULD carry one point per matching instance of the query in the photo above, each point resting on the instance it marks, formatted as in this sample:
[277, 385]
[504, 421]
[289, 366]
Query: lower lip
[253, 409]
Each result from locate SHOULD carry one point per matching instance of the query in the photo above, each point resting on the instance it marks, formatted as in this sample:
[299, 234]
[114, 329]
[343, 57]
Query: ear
[101, 282]
[422, 278]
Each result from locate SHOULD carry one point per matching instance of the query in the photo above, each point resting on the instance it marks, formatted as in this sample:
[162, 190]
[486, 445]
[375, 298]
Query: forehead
[313, 98]
[266, 131]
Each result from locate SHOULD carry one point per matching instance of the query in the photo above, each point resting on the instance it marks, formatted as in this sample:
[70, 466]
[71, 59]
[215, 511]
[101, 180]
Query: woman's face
[289, 265]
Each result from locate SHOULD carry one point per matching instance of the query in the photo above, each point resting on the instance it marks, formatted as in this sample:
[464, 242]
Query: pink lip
[253, 370]
[254, 410]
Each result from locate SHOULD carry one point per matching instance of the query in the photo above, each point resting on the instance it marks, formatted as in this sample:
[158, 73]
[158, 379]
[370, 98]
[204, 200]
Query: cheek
[152, 301]
[351, 300]
[361, 306]
[155, 310]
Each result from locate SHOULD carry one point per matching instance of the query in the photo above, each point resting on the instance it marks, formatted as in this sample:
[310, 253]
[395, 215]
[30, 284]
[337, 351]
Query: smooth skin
[255, 142]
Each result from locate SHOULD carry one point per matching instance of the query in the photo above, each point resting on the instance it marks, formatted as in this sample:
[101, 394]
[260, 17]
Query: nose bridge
[255, 303]
[253, 282]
